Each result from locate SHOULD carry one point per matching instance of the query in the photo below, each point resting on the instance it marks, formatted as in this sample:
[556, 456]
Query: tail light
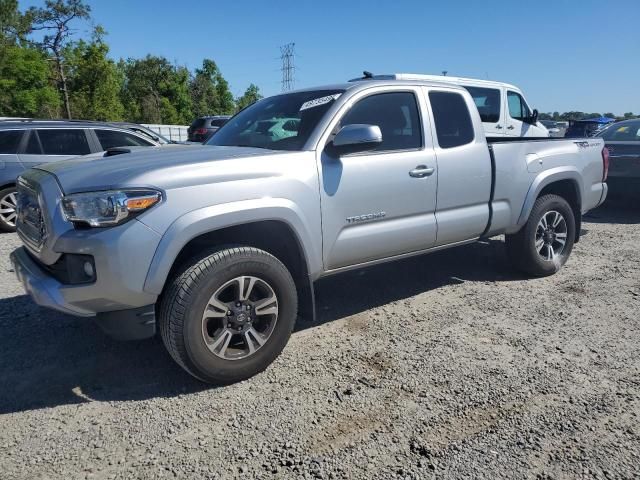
[201, 131]
[605, 163]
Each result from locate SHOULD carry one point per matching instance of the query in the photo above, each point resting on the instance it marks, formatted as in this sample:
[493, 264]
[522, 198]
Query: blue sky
[565, 54]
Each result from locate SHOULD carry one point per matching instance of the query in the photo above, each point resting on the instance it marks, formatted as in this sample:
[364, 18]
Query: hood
[162, 167]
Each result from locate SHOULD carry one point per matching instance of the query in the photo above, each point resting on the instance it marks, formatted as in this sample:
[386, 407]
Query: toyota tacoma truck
[218, 246]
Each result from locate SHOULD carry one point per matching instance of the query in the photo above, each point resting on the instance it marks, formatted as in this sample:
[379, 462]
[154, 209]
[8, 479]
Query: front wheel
[8, 214]
[545, 242]
[229, 315]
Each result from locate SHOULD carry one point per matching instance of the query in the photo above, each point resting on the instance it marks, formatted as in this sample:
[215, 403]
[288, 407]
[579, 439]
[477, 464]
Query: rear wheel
[8, 214]
[545, 242]
[229, 315]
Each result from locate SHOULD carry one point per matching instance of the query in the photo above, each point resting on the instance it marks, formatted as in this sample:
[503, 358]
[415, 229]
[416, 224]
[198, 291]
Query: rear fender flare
[543, 180]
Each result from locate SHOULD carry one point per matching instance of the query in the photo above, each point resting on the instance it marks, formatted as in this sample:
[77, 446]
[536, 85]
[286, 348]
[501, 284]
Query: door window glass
[452, 119]
[59, 141]
[518, 109]
[397, 116]
[33, 144]
[9, 141]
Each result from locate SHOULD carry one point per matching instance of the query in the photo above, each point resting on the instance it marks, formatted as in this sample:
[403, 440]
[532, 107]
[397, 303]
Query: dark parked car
[587, 128]
[622, 139]
[26, 143]
[202, 128]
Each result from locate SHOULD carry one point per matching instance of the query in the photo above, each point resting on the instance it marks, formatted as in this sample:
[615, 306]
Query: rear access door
[464, 167]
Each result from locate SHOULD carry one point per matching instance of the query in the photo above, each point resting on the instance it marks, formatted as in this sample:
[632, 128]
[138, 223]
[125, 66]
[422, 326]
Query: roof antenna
[367, 74]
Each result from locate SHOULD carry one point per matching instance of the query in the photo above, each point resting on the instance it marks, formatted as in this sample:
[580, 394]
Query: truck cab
[502, 106]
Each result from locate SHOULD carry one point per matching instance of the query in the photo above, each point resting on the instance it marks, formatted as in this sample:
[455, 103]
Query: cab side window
[518, 109]
[397, 116]
[452, 119]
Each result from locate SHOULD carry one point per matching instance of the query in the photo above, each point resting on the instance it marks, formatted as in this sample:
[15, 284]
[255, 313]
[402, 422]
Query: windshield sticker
[319, 101]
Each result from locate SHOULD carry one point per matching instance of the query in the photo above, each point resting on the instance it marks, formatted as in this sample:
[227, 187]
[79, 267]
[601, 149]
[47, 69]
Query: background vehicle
[502, 106]
[24, 144]
[222, 243]
[587, 128]
[202, 128]
[141, 129]
[622, 139]
[554, 128]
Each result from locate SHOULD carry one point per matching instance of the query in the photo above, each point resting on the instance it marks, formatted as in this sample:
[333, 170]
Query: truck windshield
[281, 122]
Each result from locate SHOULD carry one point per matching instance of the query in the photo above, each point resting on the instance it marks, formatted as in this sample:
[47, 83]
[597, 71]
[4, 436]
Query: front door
[517, 113]
[380, 203]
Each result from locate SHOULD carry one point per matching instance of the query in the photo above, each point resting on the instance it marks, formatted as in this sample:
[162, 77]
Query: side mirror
[357, 138]
[533, 119]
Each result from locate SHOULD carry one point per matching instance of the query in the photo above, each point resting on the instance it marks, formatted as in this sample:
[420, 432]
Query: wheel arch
[276, 232]
[564, 182]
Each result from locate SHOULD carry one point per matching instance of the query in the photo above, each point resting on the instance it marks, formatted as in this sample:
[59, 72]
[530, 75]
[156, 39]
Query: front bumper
[44, 289]
[128, 324]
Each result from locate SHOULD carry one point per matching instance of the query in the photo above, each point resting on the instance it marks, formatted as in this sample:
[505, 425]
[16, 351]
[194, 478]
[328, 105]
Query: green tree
[155, 91]
[628, 115]
[210, 92]
[55, 19]
[25, 88]
[94, 80]
[250, 95]
[14, 26]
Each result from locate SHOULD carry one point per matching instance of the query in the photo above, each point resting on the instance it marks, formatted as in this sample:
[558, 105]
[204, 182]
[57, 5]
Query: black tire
[6, 226]
[521, 246]
[188, 294]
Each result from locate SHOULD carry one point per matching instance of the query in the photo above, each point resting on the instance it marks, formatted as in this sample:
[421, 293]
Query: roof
[357, 84]
[435, 78]
[34, 122]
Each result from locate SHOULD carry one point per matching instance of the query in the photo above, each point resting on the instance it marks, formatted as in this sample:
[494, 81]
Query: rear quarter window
[10, 140]
[115, 138]
[452, 120]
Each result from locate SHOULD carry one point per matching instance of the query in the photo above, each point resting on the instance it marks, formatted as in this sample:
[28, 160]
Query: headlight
[103, 209]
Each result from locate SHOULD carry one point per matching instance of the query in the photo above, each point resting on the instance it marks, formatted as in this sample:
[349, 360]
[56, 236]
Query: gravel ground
[448, 366]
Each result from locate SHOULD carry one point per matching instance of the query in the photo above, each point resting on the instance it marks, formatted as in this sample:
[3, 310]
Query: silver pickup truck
[219, 245]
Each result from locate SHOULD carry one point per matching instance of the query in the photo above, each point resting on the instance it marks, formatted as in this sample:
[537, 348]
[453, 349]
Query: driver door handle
[421, 171]
[510, 127]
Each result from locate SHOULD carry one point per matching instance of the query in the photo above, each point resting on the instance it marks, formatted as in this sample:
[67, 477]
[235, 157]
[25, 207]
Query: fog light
[88, 269]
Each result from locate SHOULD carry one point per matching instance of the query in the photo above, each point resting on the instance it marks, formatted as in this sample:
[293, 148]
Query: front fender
[216, 217]
[547, 178]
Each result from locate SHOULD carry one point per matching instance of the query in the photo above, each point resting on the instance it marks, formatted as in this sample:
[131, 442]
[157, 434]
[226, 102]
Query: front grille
[30, 223]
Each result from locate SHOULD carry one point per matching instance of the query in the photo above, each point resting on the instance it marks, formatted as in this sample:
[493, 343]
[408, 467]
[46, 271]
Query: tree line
[566, 116]
[46, 72]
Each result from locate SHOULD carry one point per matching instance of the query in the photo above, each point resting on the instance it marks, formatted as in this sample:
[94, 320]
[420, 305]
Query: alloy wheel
[551, 235]
[240, 317]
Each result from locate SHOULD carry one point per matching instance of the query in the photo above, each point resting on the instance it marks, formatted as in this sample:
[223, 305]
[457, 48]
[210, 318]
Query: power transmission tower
[286, 56]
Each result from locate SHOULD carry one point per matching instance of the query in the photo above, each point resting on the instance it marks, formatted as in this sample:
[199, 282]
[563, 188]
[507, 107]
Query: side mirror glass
[357, 138]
